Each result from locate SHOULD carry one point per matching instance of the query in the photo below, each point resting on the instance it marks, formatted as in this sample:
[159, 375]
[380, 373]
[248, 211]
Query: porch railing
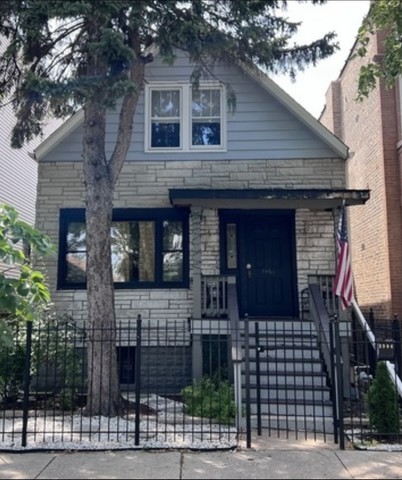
[321, 319]
[214, 296]
[325, 285]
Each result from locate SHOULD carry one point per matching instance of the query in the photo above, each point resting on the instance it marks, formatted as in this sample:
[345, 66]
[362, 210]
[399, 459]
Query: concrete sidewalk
[268, 458]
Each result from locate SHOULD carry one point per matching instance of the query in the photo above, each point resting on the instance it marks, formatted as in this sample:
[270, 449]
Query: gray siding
[18, 171]
[260, 128]
[18, 174]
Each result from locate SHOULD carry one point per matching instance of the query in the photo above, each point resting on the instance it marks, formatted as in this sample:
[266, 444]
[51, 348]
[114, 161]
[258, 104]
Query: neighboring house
[207, 198]
[18, 170]
[18, 173]
[373, 131]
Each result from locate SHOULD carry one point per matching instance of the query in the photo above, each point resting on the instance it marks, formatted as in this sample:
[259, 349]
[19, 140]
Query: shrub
[58, 359]
[209, 398]
[383, 402]
[12, 362]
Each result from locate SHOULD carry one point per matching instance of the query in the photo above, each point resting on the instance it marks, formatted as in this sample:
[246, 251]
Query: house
[18, 170]
[18, 173]
[372, 130]
[219, 215]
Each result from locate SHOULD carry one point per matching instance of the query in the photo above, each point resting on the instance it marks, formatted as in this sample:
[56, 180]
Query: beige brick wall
[147, 184]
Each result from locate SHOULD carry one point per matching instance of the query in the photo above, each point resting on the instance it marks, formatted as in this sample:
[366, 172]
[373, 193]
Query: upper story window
[185, 118]
[149, 248]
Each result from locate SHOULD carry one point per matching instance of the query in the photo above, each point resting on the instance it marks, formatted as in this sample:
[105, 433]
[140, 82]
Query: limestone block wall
[146, 185]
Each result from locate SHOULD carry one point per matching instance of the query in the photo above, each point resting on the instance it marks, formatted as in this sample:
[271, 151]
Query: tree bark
[103, 380]
[100, 178]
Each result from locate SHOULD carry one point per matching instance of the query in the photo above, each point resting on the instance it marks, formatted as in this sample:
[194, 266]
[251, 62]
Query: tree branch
[127, 110]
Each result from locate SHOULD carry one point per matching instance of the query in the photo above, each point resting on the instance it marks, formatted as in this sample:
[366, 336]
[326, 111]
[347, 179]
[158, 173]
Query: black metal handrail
[370, 335]
[322, 322]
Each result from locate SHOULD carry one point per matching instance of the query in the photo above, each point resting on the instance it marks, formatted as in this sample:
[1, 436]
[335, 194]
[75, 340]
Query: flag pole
[336, 212]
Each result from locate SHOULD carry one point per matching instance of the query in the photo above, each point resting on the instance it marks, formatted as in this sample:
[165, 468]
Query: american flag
[343, 285]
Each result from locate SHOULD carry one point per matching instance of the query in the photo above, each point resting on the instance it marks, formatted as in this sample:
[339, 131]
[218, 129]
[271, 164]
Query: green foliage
[57, 361]
[12, 361]
[210, 398]
[60, 55]
[383, 15]
[23, 292]
[383, 402]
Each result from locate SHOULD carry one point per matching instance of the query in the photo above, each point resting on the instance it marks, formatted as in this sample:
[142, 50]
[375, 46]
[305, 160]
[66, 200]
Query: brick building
[372, 130]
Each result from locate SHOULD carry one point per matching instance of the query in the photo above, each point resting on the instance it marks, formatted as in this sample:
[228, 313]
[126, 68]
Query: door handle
[248, 268]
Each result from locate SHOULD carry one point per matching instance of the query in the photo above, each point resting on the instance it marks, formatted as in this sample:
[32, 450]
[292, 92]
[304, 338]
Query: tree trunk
[103, 380]
[100, 176]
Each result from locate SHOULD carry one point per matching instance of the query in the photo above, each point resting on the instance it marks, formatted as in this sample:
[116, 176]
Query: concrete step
[284, 342]
[287, 366]
[278, 353]
[289, 394]
[293, 385]
[295, 423]
[279, 326]
[280, 407]
[301, 380]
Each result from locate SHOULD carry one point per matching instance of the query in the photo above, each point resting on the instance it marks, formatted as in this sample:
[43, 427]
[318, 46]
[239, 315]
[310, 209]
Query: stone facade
[146, 185]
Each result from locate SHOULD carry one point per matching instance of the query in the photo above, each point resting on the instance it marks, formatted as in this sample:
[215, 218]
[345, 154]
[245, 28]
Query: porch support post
[196, 274]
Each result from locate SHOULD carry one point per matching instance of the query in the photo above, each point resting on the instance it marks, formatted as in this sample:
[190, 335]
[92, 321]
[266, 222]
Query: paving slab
[24, 465]
[372, 464]
[127, 464]
[269, 458]
[96, 465]
[262, 464]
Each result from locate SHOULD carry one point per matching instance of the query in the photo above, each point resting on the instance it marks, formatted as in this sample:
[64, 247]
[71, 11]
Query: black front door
[267, 265]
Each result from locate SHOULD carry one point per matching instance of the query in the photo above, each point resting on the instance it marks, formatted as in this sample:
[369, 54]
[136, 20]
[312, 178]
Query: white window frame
[186, 118]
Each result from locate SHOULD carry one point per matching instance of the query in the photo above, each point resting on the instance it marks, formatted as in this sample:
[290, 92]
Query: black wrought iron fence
[372, 411]
[287, 389]
[44, 389]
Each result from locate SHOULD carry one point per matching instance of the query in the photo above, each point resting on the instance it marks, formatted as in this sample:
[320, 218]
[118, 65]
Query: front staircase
[284, 379]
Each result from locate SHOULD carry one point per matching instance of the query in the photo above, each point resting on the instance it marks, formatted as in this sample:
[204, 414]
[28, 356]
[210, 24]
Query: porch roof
[261, 198]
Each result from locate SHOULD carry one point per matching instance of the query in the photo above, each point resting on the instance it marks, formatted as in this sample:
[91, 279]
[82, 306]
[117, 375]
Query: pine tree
[91, 54]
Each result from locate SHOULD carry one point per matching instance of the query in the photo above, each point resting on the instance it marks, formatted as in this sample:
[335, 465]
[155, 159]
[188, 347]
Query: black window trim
[69, 215]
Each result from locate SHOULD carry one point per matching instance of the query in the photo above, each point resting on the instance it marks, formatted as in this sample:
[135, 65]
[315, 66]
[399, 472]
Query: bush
[383, 402]
[209, 398]
[58, 360]
[12, 362]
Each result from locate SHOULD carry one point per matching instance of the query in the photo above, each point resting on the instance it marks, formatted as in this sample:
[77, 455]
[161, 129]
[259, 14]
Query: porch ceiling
[268, 198]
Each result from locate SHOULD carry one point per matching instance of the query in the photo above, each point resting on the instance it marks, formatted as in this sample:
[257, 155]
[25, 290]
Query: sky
[344, 17]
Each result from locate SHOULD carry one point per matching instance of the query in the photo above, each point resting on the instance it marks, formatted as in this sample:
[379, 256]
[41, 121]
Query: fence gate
[285, 387]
